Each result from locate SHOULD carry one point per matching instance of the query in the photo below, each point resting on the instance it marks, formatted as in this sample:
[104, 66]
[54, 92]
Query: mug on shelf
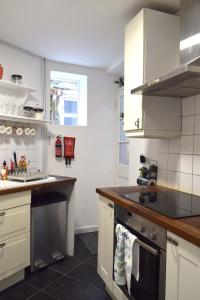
[19, 131]
[27, 131]
[9, 130]
[2, 129]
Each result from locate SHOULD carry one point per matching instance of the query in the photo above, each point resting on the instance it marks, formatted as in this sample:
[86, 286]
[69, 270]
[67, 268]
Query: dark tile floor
[74, 278]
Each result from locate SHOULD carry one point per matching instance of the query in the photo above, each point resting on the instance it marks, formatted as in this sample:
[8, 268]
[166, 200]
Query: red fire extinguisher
[58, 146]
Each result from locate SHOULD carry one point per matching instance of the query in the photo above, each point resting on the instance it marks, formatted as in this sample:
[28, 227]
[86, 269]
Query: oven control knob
[153, 236]
[142, 229]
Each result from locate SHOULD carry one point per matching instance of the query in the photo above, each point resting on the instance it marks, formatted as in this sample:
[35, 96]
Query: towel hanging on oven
[131, 257]
[126, 260]
[119, 262]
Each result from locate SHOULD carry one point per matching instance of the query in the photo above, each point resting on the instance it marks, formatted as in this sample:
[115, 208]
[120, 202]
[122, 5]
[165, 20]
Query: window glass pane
[122, 135]
[70, 121]
[68, 98]
[124, 153]
[121, 104]
[70, 107]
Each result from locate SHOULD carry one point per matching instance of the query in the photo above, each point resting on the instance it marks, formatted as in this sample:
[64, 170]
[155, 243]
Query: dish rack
[24, 177]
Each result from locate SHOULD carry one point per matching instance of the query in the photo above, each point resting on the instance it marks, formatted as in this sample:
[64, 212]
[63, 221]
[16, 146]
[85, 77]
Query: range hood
[182, 82]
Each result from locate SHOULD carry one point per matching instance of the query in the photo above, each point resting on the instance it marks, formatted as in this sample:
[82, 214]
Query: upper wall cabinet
[151, 49]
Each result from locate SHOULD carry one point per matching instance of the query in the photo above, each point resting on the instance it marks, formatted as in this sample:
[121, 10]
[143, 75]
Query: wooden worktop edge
[59, 180]
[186, 228]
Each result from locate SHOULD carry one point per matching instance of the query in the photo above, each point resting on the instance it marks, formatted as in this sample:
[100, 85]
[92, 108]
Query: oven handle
[147, 247]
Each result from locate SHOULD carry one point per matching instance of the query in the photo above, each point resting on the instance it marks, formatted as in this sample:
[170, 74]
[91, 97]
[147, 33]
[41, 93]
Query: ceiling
[84, 32]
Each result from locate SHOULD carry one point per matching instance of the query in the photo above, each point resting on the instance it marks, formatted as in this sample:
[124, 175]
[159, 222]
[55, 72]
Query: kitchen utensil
[15, 159]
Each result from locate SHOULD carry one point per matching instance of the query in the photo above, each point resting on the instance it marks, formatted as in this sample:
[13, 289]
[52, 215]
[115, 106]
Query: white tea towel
[119, 263]
[131, 257]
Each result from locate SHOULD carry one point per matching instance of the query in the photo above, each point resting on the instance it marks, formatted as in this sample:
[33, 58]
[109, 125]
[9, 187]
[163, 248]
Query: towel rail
[144, 245]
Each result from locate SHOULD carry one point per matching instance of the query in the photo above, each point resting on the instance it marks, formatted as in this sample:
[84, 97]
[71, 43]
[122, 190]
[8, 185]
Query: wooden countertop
[39, 184]
[187, 228]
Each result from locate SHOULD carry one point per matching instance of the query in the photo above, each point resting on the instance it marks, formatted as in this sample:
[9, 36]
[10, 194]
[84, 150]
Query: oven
[151, 239]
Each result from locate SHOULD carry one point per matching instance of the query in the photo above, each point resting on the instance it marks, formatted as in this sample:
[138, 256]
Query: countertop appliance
[152, 240]
[173, 204]
[48, 230]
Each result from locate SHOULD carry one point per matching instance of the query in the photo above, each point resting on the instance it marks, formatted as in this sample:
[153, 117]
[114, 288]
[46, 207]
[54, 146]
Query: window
[123, 140]
[68, 99]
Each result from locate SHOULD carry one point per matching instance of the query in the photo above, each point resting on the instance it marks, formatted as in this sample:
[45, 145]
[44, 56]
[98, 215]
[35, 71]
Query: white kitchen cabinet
[14, 236]
[151, 49]
[182, 270]
[105, 241]
[14, 255]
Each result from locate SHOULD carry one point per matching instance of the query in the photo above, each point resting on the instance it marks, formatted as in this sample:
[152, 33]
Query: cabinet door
[14, 255]
[133, 73]
[105, 241]
[183, 270]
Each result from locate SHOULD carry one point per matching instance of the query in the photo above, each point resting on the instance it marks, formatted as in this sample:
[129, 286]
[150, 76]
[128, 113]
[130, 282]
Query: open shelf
[15, 87]
[21, 119]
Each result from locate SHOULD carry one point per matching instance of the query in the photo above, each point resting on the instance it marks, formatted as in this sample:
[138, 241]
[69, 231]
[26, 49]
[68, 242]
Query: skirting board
[86, 229]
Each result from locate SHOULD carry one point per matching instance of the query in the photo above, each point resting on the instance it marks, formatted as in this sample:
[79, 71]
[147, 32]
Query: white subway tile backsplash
[188, 125]
[162, 177]
[2, 142]
[185, 184]
[196, 185]
[163, 146]
[197, 125]
[174, 145]
[186, 164]
[197, 144]
[196, 164]
[187, 144]
[174, 162]
[162, 160]
[188, 106]
[197, 105]
[173, 180]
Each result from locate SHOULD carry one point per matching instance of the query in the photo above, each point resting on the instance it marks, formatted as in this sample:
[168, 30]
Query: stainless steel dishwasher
[49, 229]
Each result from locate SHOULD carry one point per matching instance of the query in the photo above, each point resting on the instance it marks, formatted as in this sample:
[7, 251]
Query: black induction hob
[173, 204]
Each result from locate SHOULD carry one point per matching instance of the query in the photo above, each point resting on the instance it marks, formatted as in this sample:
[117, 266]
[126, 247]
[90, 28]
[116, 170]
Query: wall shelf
[15, 87]
[21, 119]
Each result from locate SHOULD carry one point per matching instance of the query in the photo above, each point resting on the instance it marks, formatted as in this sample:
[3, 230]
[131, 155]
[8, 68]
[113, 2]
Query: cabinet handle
[2, 245]
[172, 241]
[2, 213]
[137, 123]
[110, 205]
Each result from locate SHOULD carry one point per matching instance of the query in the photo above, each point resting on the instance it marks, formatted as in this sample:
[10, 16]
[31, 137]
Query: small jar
[28, 111]
[17, 79]
[38, 113]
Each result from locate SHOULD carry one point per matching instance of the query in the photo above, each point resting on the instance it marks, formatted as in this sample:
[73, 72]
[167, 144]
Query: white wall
[15, 61]
[94, 164]
[178, 159]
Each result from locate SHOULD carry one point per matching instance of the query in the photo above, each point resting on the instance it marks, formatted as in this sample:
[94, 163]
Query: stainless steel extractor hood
[182, 82]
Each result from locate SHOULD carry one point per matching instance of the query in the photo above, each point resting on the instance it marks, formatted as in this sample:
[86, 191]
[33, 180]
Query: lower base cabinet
[14, 255]
[117, 293]
[182, 270]
[105, 247]
[105, 241]
[14, 234]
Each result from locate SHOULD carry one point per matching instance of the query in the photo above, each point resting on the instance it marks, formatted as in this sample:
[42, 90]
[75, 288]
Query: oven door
[152, 260]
